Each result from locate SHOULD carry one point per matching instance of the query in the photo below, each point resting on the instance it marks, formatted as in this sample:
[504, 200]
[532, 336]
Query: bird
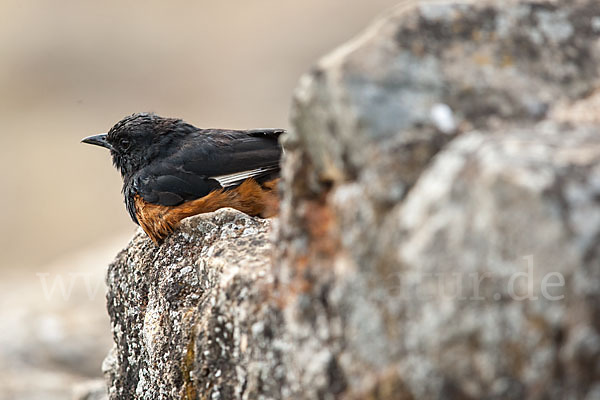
[172, 170]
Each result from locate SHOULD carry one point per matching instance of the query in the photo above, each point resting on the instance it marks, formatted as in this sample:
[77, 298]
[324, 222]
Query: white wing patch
[238, 177]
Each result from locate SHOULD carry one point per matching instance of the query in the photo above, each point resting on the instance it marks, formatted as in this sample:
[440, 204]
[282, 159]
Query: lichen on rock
[182, 313]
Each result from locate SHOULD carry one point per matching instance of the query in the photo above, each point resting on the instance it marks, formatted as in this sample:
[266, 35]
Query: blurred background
[70, 69]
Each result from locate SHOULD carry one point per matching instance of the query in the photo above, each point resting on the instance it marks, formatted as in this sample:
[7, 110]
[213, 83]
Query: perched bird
[172, 170]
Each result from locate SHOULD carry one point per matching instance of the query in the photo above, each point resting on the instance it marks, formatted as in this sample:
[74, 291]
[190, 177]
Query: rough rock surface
[190, 317]
[380, 241]
[438, 238]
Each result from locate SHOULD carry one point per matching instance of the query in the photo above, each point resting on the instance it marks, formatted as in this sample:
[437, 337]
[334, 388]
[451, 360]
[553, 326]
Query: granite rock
[447, 144]
[191, 318]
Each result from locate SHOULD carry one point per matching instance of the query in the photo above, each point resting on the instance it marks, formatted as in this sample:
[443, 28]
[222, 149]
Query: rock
[438, 235]
[448, 142]
[192, 317]
[499, 277]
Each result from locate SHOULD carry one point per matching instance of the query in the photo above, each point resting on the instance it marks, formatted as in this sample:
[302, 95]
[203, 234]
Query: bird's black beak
[98, 140]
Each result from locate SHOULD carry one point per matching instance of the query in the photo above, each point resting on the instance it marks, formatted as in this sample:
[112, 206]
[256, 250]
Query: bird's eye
[124, 143]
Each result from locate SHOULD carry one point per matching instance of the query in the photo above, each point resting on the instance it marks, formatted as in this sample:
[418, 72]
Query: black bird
[172, 170]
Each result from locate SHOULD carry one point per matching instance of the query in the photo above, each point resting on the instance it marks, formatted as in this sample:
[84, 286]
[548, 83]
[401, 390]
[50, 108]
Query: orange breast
[250, 197]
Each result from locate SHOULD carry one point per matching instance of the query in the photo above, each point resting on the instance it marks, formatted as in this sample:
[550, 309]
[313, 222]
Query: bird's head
[136, 140]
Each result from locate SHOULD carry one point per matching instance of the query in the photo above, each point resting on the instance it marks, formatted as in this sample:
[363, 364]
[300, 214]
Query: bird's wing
[210, 160]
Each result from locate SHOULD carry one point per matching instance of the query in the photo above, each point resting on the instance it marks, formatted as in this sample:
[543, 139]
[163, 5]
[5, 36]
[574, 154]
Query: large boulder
[438, 237]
